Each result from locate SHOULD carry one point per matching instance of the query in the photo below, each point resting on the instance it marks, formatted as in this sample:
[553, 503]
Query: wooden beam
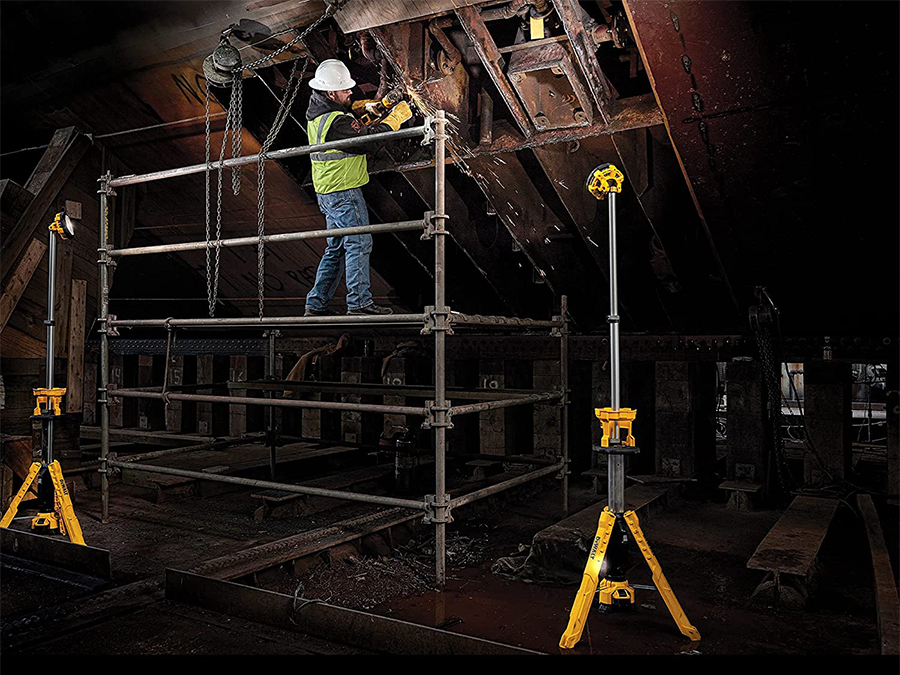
[237, 418]
[14, 199]
[116, 379]
[44, 168]
[63, 295]
[887, 605]
[17, 455]
[132, 436]
[486, 48]
[75, 360]
[89, 389]
[15, 344]
[176, 378]
[204, 410]
[48, 188]
[14, 289]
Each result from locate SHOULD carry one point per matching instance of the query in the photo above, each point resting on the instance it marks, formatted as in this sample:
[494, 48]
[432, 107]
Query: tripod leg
[14, 504]
[659, 579]
[66, 510]
[582, 605]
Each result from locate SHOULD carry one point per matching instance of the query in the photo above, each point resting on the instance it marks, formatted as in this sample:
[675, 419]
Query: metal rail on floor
[436, 320]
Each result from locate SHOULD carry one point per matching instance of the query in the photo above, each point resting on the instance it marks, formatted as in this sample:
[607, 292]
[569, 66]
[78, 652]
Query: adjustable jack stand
[607, 565]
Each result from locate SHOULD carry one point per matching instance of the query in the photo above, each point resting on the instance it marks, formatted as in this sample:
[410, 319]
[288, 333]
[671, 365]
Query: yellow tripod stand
[619, 590]
[62, 517]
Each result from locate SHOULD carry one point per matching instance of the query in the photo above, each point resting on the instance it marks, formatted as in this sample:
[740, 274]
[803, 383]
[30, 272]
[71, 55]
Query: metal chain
[234, 124]
[236, 106]
[281, 116]
[329, 10]
[209, 293]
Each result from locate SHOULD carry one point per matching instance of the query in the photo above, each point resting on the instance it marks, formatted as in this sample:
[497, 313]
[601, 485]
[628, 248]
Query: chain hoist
[223, 67]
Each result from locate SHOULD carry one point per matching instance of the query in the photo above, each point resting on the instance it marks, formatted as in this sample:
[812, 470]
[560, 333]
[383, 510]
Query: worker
[338, 176]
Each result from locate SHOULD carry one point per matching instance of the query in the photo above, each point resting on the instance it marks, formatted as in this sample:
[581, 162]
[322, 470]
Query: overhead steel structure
[436, 320]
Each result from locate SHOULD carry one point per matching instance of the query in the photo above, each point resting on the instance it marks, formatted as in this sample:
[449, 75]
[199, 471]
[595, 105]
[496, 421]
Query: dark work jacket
[344, 126]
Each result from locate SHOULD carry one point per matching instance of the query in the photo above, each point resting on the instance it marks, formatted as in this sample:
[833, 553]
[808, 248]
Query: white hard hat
[332, 75]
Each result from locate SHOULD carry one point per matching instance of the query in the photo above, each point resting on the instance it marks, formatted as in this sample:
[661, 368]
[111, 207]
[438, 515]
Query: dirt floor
[703, 548]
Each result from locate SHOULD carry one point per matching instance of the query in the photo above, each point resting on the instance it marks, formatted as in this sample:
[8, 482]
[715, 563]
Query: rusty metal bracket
[429, 226]
[564, 470]
[111, 331]
[431, 322]
[428, 136]
[105, 188]
[433, 410]
[437, 512]
[556, 331]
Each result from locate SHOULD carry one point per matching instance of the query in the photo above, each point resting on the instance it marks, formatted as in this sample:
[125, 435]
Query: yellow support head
[51, 398]
[623, 417]
[605, 178]
[615, 590]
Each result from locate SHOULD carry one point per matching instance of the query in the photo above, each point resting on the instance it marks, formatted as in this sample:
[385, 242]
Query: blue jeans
[345, 208]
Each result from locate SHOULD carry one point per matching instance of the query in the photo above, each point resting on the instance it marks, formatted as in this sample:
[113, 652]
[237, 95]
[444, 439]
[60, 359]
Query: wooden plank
[14, 199]
[36, 212]
[887, 605]
[793, 543]
[6, 487]
[297, 546]
[237, 420]
[17, 456]
[176, 378]
[13, 290]
[89, 390]
[145, 406]
[148, 437]
[43, 169]
[204, 410]
[75, 361]
[63, 297]
[116, 407]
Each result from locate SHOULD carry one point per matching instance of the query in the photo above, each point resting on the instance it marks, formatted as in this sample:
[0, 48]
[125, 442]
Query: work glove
[398, 115]
[363, 106]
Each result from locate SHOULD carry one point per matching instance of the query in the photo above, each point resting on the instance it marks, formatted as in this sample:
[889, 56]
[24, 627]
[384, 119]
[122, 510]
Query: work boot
[317, 312]
[371, 309]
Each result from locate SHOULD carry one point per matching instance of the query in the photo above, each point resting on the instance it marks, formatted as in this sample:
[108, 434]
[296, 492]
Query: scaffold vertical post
[102, 391]
[440, 366]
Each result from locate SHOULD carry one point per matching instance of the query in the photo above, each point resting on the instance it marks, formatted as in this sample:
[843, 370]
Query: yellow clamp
[605, 178]
[51, 398]
[623, 417]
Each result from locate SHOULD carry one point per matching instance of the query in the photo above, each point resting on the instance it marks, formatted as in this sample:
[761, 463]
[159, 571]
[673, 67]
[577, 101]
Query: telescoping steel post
[439, 412]
[616, 465]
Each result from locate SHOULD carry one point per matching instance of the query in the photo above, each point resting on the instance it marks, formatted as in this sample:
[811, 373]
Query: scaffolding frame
[436, 320]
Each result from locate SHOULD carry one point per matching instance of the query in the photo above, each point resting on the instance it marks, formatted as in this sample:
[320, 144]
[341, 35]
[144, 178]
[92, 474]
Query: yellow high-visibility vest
[333, 170]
